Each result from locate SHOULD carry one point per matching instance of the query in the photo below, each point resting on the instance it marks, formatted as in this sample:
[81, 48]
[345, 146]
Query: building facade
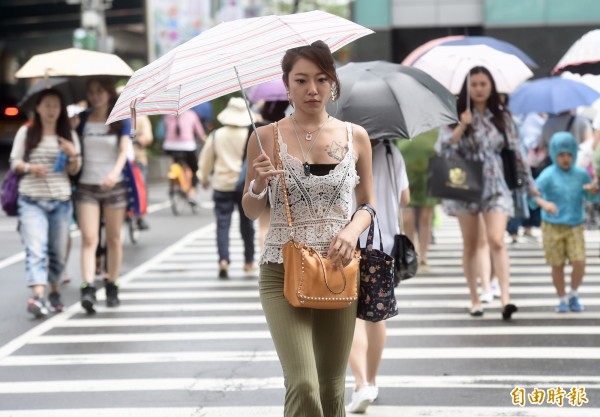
[544, 29]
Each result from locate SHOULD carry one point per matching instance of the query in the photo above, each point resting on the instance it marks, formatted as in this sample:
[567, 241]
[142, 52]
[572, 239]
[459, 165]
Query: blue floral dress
[485, 144]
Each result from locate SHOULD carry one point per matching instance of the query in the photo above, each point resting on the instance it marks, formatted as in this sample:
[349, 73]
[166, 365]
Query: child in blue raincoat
[563, 187]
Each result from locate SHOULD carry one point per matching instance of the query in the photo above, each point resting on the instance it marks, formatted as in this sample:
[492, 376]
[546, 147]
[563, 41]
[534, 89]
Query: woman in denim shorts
[45, 152]
[100, 189]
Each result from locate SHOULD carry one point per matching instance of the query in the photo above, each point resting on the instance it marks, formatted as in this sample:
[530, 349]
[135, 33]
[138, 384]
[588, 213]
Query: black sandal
[508, 311]
[476, 312]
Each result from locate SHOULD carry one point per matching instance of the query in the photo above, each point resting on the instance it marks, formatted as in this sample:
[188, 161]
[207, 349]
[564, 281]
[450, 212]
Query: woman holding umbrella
[325, 161]
[44, 205]
[480, 135]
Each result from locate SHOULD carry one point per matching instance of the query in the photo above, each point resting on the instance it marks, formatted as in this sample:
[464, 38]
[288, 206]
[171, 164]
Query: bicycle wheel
[177, 198]
[133, 229]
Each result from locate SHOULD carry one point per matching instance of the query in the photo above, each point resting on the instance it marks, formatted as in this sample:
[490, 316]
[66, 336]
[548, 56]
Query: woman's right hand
[466, 118]
[38, 170]
[264, 171]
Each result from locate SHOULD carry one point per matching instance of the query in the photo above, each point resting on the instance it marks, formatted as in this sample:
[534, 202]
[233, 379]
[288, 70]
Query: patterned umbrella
[206, 66]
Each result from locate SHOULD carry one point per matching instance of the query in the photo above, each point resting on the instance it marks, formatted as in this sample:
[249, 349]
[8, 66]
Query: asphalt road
[185, 344]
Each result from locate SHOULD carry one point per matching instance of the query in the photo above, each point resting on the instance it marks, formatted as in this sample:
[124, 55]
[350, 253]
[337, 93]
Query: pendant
[308, 136]
[306, 169]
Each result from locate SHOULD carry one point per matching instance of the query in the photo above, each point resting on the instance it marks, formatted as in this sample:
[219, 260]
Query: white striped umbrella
[204, 68]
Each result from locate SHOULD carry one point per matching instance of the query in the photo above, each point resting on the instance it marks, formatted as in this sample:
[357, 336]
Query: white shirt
[387, 202]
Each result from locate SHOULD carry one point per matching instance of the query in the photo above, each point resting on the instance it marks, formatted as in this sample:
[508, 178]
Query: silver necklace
[306, 165]
[310, 134]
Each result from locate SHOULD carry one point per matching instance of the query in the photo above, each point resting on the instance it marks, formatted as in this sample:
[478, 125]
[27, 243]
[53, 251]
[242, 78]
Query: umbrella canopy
[426, 47]
[74, 62]
[73, 89]
[391, 100]
[450, 66]
[552, 95]
[494, 43]
[583, 57]
[205, 67]
[270, 91]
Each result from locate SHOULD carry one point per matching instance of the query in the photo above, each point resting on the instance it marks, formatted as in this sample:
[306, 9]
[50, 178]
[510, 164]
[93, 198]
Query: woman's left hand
[342, 248]
[109, 181]
[67, 147]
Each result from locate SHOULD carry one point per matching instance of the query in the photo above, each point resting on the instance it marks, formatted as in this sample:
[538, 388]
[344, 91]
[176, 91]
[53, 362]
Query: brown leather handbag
[310, 280]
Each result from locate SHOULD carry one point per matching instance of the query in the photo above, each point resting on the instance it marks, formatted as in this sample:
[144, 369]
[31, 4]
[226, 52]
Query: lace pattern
[320, 205]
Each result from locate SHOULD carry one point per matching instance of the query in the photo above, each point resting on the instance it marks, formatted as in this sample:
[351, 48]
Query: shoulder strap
[279, 165]
[570, 123]
[390, 162]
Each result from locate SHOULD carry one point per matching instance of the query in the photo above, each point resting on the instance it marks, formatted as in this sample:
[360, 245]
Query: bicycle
[180, 183]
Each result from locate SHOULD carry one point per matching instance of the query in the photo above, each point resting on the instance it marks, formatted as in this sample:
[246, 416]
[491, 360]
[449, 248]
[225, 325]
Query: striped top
[56, 185]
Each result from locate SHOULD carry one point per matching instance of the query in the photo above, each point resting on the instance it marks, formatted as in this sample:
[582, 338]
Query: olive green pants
[313, 347]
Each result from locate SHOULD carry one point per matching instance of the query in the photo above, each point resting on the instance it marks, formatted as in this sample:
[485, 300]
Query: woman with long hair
[101, 190]
[45, 152]
[325, 162]
[480, 135]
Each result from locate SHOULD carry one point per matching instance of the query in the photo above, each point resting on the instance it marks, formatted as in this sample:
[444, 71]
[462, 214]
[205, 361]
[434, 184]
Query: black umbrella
[73, 90]
[392, 100]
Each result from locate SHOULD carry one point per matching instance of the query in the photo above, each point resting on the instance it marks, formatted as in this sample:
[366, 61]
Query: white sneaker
[495, 288]
[361, 400]
[372, 391]
[486, 296]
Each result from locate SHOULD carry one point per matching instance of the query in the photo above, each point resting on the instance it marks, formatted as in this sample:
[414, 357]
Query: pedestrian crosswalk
[185, 344]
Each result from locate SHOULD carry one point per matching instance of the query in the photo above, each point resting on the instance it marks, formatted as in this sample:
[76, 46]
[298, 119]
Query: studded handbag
[311, 280]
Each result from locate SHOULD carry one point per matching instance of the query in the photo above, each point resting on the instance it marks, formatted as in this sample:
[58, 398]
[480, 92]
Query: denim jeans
[225, 202]
[44, 227]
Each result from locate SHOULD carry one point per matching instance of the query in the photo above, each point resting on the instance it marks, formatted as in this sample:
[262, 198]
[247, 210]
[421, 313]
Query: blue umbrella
[503, 46]
[552, 95]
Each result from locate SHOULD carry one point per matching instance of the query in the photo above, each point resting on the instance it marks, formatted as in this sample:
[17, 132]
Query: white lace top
[320, 205]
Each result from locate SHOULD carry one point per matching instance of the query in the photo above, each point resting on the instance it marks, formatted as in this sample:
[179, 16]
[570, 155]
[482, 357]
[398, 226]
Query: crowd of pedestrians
[332, 169]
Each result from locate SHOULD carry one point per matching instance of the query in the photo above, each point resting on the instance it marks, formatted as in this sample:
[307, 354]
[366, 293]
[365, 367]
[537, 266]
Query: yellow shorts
[563, 243]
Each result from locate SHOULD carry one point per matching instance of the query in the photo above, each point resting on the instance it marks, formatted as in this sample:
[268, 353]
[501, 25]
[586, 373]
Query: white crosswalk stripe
[184, 344]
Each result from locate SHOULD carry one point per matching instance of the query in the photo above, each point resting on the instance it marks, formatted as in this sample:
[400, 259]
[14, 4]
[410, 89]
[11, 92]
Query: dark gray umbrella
[72, 89]
[392, 100]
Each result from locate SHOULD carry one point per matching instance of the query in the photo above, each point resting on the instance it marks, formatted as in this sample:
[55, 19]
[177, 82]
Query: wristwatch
[258, 196]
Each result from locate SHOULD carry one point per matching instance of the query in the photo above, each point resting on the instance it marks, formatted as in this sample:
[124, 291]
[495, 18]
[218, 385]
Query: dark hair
[107, 84]
[493, 102]
[318, 53]
[273, 111]
[34, 131]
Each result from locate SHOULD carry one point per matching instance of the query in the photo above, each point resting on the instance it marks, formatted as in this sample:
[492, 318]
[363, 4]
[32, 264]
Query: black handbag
[405, 258]
[509, 165]
[376, 299]
[455, 179]
[406, 261]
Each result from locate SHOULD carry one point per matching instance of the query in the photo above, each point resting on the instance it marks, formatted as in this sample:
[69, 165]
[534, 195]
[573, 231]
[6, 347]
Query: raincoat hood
[563, 142]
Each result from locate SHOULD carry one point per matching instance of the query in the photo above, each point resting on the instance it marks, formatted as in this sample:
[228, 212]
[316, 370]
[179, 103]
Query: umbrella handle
[133, 130]
[248, 108]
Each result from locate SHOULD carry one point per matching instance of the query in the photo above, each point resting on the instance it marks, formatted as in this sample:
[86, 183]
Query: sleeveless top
[320, 205]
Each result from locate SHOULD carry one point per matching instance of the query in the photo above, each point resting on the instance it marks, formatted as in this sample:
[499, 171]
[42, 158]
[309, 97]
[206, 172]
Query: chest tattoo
[337, 151]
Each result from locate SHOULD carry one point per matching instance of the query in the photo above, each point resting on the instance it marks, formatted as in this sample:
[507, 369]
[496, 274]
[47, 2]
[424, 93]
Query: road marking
[75, 308]
[265, 334]
[271, 356]
[253, 384]
[18, 257]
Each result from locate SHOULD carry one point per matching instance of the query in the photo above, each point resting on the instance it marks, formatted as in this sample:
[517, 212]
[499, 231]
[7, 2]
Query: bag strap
[279, 164]
[570, 123]
[390, 161]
